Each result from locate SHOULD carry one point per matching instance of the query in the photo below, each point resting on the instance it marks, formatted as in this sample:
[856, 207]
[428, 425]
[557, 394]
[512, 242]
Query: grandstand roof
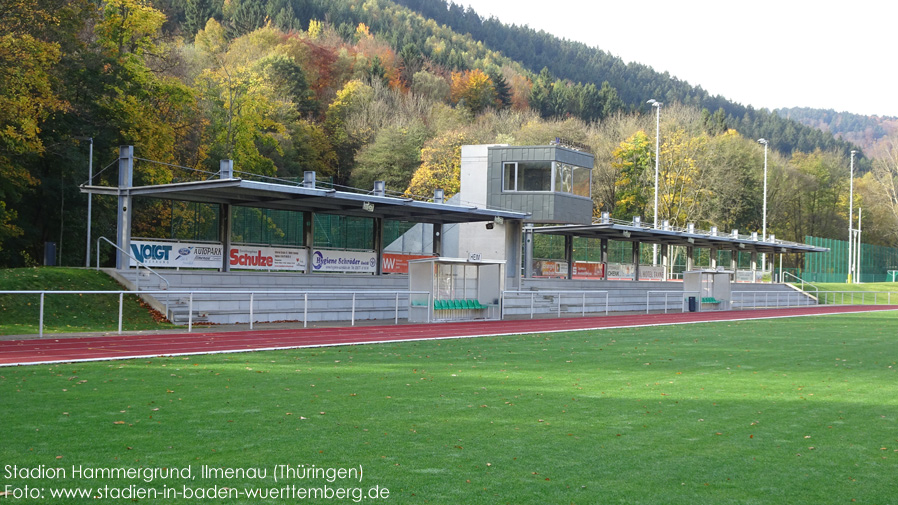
[277, 195]
[638, 232]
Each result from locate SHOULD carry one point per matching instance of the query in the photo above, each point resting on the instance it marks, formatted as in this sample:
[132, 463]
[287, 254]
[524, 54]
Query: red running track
[66, 350]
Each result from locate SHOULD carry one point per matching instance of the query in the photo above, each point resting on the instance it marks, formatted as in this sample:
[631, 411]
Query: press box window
[546, 176]
[528, 176]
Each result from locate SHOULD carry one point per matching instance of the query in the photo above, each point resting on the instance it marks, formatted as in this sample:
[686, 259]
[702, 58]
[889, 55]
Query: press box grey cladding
[547, 207]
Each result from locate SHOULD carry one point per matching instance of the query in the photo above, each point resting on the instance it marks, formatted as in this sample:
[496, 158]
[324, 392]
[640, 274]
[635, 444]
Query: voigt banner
[175, 254]
[324, 260]
[267, 258]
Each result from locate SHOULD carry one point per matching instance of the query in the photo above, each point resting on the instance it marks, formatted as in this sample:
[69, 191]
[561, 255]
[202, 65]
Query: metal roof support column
[690, 258]
[123, 217]
[379, 244]
[665, 261]
[635, 247]
[528, 251]
[308, 237]
[569, 255]
[437, 227]
[754, 265]
[226, 171]
[713, 258]
[604, 249]
[513, 244]
[734, 255]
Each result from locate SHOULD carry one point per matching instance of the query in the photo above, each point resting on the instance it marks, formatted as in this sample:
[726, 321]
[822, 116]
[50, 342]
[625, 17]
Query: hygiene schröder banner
[324, 260]
[175, 254]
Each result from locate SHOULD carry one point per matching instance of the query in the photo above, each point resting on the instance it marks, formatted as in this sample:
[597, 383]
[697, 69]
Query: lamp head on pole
[762, 141]
[654, 103]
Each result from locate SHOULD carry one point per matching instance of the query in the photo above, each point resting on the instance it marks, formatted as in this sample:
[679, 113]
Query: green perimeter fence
[877, 262]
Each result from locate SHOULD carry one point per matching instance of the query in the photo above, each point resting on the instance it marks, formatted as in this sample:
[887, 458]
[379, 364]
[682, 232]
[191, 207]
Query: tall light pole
[764, 211]
[90, 180]
[657, 105]
[850, 216]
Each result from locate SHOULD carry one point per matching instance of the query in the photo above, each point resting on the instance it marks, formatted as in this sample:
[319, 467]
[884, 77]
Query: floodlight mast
[851, 217]
[764, 211]
[657, 105]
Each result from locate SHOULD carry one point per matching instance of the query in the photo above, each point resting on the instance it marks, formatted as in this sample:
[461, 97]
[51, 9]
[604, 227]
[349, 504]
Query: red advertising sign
[588, 270]
[398, 263]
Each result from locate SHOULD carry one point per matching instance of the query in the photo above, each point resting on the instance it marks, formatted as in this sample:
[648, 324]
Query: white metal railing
[767, 299]
[839, 297]
[803, 283]
[252, 296]
[140, 264]
[667, 293]
[554, 298]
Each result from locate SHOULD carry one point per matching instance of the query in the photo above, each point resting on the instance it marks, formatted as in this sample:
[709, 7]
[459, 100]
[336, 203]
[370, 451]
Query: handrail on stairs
[816, 294]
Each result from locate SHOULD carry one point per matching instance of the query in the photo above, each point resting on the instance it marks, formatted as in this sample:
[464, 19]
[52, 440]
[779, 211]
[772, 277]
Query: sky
[767, 54]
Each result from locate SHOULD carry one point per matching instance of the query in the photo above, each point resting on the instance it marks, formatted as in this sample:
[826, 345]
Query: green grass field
[799, 410]
[20, 314]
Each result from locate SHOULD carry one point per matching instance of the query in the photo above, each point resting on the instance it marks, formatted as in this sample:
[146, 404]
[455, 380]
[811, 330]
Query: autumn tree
[473, 90]
[27, 99]
[440, 165]
[633, 162]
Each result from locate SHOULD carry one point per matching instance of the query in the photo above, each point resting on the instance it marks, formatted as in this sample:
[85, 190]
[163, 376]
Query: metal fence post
[121, 302]
[396, 319]
[40, 322]
[251, 296]
[190, 313]
[531, 305]
[353, 309]
[305, 310]
[583, 314]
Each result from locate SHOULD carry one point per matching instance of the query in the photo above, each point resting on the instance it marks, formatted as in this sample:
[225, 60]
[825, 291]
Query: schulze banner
[268, 258]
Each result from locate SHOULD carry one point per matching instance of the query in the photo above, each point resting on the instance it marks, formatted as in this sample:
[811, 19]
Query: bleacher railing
[547, 302]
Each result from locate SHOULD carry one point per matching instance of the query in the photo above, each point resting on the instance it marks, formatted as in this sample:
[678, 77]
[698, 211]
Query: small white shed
[712, 288]
[457, 289]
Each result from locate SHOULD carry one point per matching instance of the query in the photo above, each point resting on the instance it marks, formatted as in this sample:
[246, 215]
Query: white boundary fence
[767, 299]
[857, 297]
[683, 299]
[535, 302]
[352, 297]
[559, 302]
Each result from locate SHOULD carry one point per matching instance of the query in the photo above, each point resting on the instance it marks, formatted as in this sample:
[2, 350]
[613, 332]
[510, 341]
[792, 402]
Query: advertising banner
[620, 271]
[324, 260]
[589, 270]
[549, 268]
[395, 263]
[267, 258]
[175, 254]
[744, 276]
[651, 273]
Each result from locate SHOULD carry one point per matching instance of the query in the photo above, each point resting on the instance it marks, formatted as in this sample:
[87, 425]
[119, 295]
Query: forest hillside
[365, 90]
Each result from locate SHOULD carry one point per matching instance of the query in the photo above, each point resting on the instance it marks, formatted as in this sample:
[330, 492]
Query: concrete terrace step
[230, 308]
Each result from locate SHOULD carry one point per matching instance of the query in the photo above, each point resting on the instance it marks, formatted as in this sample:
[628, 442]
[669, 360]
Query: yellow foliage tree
[473, 90]
[440, 165]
